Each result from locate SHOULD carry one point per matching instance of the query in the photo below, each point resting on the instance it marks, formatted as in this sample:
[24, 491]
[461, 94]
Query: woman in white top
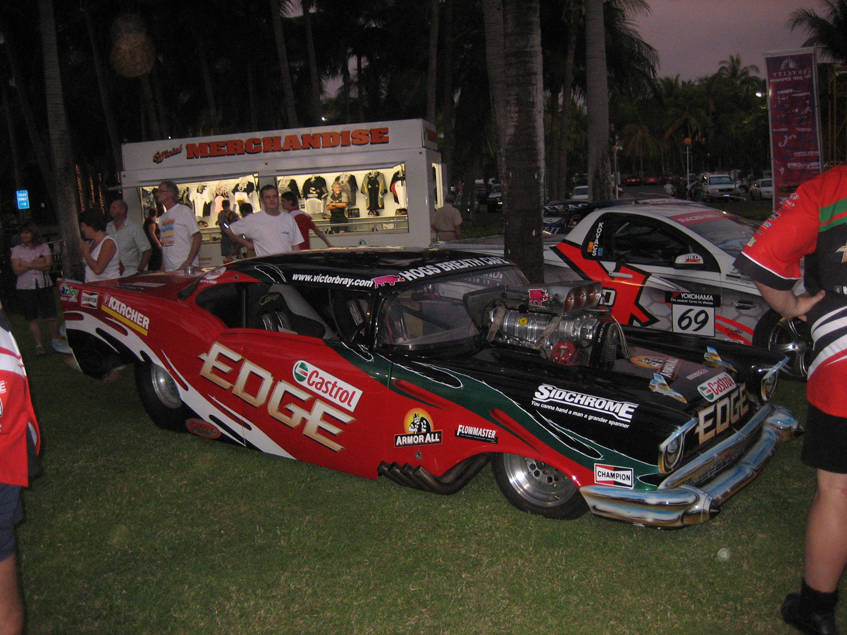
[31, 262]
[99, 250]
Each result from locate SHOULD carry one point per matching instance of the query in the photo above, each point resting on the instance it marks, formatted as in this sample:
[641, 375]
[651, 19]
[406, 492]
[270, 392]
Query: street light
[687, 142]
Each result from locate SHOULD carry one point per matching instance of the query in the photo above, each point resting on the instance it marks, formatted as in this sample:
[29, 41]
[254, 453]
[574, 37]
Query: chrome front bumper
[676, 503]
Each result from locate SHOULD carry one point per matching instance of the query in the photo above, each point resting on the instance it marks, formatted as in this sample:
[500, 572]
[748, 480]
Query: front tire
[789, 337]
[535, 487]
[160, 397]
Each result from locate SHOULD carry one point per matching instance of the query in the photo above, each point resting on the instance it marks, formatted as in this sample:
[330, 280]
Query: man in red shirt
[19, 442]
[288, 202]
[812, 224]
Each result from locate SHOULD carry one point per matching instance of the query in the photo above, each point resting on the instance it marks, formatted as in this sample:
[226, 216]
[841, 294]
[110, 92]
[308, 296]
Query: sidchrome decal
[285, 402]
[614, 476]
[89, 299]
[477, 434]
[126, 314]
[716, 387]
[565, 401]
[326, 385]
[419, 431]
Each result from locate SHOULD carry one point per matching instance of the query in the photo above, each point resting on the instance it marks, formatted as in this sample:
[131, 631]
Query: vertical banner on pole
[794, 119]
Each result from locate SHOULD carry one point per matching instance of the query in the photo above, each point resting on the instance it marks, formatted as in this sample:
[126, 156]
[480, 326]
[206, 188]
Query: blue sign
[23, 199]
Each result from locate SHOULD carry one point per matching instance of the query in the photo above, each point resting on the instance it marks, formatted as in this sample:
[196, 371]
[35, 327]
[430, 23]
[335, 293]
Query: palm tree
[60, 141]
[597, 98]
[513, 39]
[829, 31]
[277, 7]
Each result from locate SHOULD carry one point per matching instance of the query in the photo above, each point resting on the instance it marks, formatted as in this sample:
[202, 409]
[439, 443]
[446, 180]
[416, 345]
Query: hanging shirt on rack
[373, 186]
[398, 188]
[287, 184]
[315, 187]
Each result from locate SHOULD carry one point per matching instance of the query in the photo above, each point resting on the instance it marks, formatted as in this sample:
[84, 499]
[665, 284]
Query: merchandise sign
[23, 199]
[794, 118]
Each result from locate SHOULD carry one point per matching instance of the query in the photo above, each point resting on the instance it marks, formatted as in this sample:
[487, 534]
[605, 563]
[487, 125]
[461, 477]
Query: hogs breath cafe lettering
[287, 143]
[284, 402]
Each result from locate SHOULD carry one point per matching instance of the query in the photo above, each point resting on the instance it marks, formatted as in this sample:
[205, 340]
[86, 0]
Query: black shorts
[11, 513]
[38, 303]
[825, 442]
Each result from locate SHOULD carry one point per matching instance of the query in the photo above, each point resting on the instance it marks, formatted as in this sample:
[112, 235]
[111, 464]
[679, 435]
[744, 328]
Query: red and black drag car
[424, 365]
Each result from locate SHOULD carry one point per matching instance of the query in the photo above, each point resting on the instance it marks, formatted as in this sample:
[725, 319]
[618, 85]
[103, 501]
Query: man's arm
[321, 235]
[145, 258]
[786, 303]
[196, 239]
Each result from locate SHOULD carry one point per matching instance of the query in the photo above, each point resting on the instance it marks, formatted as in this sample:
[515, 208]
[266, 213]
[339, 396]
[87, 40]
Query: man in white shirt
[180, 233]
[268, 232]
[133, 245]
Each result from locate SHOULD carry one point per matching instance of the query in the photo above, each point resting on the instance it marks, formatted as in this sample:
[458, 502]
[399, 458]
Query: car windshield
[432, 314]
[720, 180]
[726, 231]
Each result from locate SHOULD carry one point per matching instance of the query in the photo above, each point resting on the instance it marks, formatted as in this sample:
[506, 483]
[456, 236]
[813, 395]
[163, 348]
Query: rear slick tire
[160, 397]
[535, 487]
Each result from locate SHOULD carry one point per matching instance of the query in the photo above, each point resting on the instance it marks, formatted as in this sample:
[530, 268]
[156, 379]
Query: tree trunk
[13, 141]
[206, 74]
[516, 55]
[597, 103]
[432, 66]
[317, 108]
[284, 68]
[60, 142]
[111, 127]
[44, 164]
[147, 92]
[447, 100]
[572, 15]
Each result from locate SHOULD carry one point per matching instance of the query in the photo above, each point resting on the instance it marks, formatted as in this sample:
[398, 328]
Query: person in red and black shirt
[812, 224]
[19, 444]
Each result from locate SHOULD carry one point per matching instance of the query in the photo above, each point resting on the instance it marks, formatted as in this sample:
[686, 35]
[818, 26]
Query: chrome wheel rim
[789, 338]
[165, 387]
[538, 483]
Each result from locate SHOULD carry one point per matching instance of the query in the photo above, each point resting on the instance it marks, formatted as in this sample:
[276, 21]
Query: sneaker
[59, 347]
[809, 623]
[39, 351]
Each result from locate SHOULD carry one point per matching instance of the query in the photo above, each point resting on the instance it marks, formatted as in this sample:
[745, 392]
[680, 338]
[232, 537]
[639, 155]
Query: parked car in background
[632, 180]
[580, 193]
[667, 264]
[495, 198]
[763, 188]
[423, 366]
[717, 185]
[651, 180]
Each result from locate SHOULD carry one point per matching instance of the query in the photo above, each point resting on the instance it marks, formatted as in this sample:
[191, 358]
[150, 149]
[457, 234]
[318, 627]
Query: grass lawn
[135, 530]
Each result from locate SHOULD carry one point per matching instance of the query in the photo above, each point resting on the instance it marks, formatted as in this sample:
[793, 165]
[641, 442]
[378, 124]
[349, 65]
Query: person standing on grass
[131, 238]
[288, 202]
[31, 262]
[180, 232]
[447, 221]
[812, 224]
[268, 232]
[19, 445]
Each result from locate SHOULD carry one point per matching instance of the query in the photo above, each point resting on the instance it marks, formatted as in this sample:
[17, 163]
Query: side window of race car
[638, 240]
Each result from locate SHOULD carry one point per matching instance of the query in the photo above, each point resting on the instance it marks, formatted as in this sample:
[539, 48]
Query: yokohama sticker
[326, 385]
[614, 476]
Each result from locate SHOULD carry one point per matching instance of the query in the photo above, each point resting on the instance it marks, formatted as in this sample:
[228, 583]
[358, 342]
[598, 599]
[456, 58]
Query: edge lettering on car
[286, 403]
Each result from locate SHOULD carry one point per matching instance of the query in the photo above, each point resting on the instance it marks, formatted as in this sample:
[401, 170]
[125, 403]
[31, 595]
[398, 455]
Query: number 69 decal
[697, 320]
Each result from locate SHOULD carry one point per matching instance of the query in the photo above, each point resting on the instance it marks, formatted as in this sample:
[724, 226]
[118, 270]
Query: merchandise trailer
[389, 172]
